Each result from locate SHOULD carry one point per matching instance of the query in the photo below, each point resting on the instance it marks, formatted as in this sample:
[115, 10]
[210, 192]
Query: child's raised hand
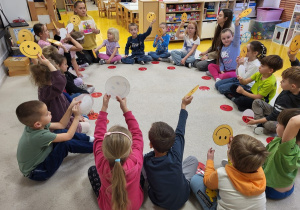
[210, 154]
[291, 56]
[105, 101]
[240, 60]
[237, 20]
[76, 110]
[123, 104]
[153, 21]
[43, 60]
[186, 101]
[74, 102]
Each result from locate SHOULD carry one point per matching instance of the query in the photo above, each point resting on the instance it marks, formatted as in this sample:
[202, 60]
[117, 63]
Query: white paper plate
[63, 33]
[86, 104]
[70, 27]
[117, 86]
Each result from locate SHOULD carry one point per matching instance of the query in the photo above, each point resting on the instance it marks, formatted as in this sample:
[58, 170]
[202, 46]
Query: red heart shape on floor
[81, 69]
[206, 77]
[93, 116]
[142, 69]
[171, 67]
[111, 67]
[226, 108]
[155, 62]
[246, 119]
[204, 88]
[96, 95]
[269, 139]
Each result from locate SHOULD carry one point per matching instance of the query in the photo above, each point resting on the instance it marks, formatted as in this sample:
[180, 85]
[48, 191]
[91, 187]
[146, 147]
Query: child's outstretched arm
[76, 67]
[244, 81]
[293, 59]
[99, 47]
[210, 176]
[236, 36]
[291, 129]
[148, 32]
[77, 46]
[178, 35]
[70, 133]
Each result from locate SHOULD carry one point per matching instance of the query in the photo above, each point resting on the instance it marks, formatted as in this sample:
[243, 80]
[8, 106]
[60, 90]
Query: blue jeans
[157, 55]
[271, 193]
[79, 144]
[178, 55]
[199, 189]
[136, 59]
[223, 86]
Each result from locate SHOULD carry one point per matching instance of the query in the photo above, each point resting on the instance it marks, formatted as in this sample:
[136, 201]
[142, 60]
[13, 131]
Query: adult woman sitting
[224, 20]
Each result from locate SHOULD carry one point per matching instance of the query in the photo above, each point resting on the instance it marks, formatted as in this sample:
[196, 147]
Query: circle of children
[254, 171]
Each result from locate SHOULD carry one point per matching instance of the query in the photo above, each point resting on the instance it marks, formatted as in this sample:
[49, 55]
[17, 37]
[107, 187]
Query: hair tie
[117, 160]
[117, 132]
[80, 38]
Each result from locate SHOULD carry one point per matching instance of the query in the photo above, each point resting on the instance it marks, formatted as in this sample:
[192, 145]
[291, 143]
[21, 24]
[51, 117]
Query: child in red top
[119, 160]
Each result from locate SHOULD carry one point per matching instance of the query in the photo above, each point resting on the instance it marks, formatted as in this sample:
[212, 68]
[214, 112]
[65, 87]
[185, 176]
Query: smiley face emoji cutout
[159, 32]
[222, 134]
[151, 16]
[25, 35]
[75, 19]
[30, 49]
[245, 13]
[184, 17]
[295, 45]
[243, 52]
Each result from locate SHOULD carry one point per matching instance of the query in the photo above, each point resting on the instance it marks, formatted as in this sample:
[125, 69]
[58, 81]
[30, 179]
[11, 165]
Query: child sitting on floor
[167, 173]
[264, 87]
[119, 160]
[240, 185]
[112, 48]
[137, 46]
[246, 67]
[281, 166]
[265, 114]
[228, 51]
[40, 152]
[161, 43]
[186, 56]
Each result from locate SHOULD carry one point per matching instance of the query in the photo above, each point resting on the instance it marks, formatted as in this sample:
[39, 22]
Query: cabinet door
[208, 29]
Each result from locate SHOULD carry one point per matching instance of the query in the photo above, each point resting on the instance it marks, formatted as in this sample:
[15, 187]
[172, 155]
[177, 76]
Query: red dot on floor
[206, 77]
[246, 119]
[142, 69]
[226, 108]
[269, 139]
[171, 67]
[81, 69]
[111, 67]
[204, 88]
[155, 62]
[93, 116]
[96, 95]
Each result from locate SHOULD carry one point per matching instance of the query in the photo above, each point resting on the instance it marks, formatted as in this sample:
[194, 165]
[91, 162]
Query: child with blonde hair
[112, 48]
[119, 159]
[186, 56]
[51, 84]
[241, 185]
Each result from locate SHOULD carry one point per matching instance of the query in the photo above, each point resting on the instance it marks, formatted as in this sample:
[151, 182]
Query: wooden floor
[104, 24]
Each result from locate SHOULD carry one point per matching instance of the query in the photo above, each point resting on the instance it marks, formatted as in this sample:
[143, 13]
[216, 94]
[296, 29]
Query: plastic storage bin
[268, 13]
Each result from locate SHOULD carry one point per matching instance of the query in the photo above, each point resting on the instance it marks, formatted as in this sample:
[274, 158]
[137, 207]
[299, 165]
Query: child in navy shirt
[136, 43]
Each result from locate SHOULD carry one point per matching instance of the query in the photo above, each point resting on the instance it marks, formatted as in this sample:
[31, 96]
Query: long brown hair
[217, 36]
[40, 75]
[117, 146]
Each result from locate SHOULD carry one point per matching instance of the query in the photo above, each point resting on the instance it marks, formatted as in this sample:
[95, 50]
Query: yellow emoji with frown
[25, 35]
[295, 45]
[151, 16]
[75, 19]
[245, 13]
[30, 49]
[184, 17]
[222, 134]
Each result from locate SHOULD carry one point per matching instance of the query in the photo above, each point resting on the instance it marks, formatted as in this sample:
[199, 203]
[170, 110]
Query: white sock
[92, 139]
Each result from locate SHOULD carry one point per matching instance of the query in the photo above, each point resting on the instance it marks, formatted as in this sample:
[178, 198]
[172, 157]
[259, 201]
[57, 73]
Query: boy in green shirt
[40, 152]
[264, 87]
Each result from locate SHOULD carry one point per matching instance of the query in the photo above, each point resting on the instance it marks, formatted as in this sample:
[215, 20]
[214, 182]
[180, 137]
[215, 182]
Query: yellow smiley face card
[184, 17]
[30, 49]
[243, 52]
[222, 134]
[25, 35]
[151, 16]
[295, 45]
[245, 13]
[75, 19]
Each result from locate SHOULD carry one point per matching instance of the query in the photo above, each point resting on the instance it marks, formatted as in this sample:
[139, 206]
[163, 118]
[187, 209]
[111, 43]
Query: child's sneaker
[90, 89]
[84, 65]
[142, 62]
[83, 86]
[172, 62]
[189, 65]
[101, 62]
[218, 79]
[92, 139]
[208, 73]
[116, 62]
[259, 130]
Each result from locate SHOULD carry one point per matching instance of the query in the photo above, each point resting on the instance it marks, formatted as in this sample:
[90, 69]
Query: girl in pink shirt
[119, 159]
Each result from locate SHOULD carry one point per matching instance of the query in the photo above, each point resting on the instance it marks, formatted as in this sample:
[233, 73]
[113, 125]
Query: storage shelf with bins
[170, 12]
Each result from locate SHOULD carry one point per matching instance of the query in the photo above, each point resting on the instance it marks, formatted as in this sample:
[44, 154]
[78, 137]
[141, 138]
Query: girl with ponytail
[119, 159]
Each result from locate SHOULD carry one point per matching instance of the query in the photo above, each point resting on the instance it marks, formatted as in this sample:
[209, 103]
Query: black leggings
[242, 102]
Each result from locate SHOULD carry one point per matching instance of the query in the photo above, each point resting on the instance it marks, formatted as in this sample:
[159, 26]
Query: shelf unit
[171, 11]
[69, 5]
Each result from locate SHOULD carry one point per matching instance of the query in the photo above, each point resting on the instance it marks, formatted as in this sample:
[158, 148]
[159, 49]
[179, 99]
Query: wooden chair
[101, 8]
[119, 14]
[136, 19]
[111, 7]
[127, 19]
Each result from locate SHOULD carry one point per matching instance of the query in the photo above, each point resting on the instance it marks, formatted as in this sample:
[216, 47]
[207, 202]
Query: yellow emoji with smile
[222, 134]
[25, 35]
[245, 13]
[30, 49]
[184, 17]
[295, 45]
[75, 19]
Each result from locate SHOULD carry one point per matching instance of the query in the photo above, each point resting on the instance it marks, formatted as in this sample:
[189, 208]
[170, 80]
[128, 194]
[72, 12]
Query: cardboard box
[17, 66]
